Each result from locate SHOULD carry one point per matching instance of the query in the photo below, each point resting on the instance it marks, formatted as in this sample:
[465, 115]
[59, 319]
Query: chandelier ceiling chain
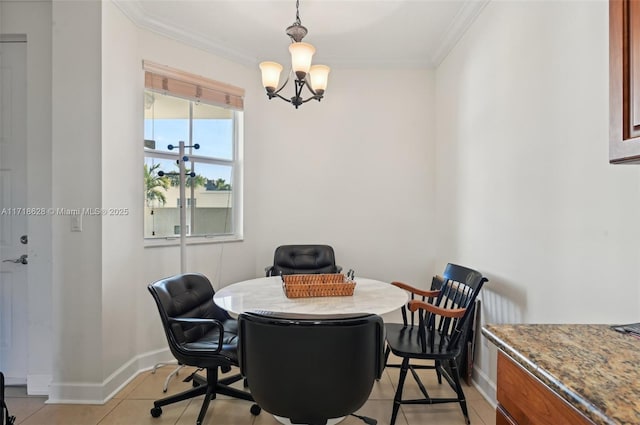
[314, 78]
[298, 22]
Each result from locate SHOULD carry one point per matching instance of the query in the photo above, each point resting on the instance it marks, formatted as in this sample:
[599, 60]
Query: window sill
[191, 240]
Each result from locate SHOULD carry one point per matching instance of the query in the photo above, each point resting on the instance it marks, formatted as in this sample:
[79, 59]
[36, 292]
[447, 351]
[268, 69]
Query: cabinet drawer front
[502, 417]
[529, 401]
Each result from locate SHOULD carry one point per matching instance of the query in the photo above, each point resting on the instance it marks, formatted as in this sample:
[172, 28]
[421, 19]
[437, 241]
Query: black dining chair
[311, 368]
[199, 334]
[435, 327]
[303, 259]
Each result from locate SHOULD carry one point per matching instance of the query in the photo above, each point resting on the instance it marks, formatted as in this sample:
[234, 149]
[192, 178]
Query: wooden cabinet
[624, 81]
[524, 400]
[503, 418]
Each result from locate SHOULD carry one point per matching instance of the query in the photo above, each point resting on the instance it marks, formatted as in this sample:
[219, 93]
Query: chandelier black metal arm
[297, 100]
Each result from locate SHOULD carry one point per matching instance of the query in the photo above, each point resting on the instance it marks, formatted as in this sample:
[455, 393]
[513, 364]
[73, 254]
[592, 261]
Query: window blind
[190, 86]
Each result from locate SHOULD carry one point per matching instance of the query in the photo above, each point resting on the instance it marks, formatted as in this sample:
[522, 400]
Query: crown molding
[459, 26]
[337, 63]
[141, 18]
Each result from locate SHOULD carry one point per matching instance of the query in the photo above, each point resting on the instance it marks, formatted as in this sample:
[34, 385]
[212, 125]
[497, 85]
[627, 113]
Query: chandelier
[314, 78]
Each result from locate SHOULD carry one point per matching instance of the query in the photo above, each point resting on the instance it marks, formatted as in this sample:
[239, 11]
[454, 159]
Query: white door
[13, 214]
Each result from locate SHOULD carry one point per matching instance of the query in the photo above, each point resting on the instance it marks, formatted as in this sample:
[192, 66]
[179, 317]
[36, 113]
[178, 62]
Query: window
[176, 229]
[182, 107]
[189, 203]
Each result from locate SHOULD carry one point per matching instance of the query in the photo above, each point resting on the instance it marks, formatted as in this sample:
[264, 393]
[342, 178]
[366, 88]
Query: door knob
[24, 239]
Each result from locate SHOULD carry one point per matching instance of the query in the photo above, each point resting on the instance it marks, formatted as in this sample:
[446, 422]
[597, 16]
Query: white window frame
[236, 162]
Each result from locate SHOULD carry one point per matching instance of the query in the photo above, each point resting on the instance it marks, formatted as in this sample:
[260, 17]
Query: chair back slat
[403, 311]
[464, 285]
[454, 295]
[459, 286]
[412, 318]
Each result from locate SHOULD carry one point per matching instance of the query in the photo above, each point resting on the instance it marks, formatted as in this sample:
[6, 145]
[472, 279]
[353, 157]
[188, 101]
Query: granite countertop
[592, 367]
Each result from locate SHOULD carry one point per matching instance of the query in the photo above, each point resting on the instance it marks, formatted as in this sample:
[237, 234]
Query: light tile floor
[131, 406]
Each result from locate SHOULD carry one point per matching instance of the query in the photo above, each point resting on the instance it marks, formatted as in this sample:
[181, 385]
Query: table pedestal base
[286, 421]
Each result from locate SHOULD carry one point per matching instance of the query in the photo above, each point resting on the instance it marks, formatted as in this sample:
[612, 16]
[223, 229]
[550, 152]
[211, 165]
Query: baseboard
[38, 384]
[75, 393]
[485, 386]
[10, 382]
[100, 393]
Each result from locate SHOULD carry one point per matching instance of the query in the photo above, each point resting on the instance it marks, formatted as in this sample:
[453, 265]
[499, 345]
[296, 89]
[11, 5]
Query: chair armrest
[406, 287]
[446, 312]
[338, 269]
[268, 271]
[199, 321]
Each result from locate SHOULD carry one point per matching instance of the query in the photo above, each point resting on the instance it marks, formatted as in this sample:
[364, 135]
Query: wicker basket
[317, 285]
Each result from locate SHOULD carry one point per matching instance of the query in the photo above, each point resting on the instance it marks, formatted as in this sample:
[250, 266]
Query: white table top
[266, 293]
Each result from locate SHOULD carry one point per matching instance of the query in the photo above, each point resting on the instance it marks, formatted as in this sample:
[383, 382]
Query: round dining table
[267, 294]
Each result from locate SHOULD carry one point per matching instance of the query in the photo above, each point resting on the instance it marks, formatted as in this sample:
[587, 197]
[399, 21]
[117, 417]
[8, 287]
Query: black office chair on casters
[199, 334]
[311, 368]
[303, 259]
[439, 333]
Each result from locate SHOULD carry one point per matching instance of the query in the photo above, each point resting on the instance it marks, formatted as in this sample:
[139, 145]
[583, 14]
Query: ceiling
[346, 33]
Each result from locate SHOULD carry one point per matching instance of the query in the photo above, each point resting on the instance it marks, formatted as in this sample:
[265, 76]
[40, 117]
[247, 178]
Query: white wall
[76, 183]
[33, 18]
[524, 188]
[354, 171]
[122, 247]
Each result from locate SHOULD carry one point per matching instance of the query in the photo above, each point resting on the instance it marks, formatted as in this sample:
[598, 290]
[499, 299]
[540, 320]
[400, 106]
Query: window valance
[190, 86]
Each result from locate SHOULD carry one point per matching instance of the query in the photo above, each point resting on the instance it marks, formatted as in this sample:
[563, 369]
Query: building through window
[182, 107]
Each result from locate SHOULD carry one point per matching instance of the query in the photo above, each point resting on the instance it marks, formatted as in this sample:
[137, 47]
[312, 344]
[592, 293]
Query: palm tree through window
[211, 192]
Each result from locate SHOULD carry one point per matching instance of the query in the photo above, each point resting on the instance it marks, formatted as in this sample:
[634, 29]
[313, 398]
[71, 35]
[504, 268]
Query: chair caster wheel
[255, 410]
[156, 412]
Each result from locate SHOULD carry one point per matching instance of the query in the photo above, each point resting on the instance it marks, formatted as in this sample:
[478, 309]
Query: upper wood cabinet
[624, 81]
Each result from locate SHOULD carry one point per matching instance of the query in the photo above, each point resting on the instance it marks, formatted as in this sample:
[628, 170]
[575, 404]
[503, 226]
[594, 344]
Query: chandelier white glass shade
[314, 78]
[270, 75]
